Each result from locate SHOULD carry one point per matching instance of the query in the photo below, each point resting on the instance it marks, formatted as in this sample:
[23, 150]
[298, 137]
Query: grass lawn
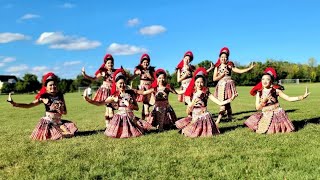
[237, 153]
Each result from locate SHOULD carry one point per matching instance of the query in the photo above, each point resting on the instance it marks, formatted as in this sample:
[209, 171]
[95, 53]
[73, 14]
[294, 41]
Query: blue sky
[37, 36]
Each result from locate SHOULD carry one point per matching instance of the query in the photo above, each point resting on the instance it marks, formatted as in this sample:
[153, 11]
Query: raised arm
[216, 76]
[240, 71]
[83, 72]
[179, 78]
[24, 105]
[297, 98]
[211, 67]
[142, 92]
[260, 105]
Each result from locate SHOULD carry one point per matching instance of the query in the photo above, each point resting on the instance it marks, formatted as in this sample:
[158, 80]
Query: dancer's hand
[306, 94]
[83, 72]
[11, 101]
[252, 65]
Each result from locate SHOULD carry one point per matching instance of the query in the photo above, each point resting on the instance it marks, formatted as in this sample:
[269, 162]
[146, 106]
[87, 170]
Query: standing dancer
[145, 71]
[105, 71]
[226, 87]
[273, 118]
[51, 126]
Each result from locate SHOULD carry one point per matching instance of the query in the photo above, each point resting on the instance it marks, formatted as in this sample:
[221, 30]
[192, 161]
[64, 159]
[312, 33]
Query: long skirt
[102, 93]
[184, 84]
[126, 125]
[47, 129]
[200, 126]
[162, 116]
[272, 119]
[225, 89]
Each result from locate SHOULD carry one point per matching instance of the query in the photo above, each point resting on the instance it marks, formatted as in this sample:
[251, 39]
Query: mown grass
[237, 153]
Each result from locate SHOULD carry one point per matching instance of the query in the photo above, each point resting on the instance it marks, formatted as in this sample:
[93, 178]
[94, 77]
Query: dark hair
[225, 54]
[272, 78]
[107, 59]
[120, 77]
[161, 72]
[50, 79]
[203, 77]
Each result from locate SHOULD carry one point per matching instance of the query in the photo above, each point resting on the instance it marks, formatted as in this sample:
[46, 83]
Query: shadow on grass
[231, 128]
[300, 124]
[88, 133]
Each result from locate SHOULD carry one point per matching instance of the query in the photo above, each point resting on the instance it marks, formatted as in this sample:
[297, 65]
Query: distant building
[7, 79]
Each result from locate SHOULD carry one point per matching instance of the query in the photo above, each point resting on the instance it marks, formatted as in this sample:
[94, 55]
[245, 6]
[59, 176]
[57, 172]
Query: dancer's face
[51, 87]
[223, 58]
[266, 81]
[199, 83]
[145, 63]
[121, 85]
[186, 59]
[109, 64]
[161, 79]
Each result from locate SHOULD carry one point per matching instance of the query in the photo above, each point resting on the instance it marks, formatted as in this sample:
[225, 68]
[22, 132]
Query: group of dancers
[121, 100]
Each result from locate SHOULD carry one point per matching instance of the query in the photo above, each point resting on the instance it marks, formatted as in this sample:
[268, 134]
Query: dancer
[162, 115]
[184, 73]
[51, 126]
[124, 124]
[199, 122]
[226, 87]
[145, 71]
[273, 118]
[105, 71]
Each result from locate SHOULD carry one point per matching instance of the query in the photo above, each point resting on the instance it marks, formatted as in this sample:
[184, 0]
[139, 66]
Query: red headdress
[144, 57]
[272, 72]
[223, 50]
[45, 78]
[188, 53]
[117, 74]
[105, 59]
[155, 75]
[199, 72]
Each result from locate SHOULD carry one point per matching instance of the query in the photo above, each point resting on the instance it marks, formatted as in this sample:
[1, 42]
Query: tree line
[285, 70]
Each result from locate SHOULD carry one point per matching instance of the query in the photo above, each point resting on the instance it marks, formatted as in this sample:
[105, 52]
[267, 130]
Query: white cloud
[8, 59]
[70, 63]
[10, 37]
[40, 69]
[133, 22]
[19, 68]
[125, 49]
[29, 16]
[59, 41]
[68, 5]
[152, 30]
[1, 64]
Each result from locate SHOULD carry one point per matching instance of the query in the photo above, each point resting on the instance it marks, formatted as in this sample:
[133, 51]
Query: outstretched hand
[306, 94]
[252, 65]
[9, 99]
[83, 72]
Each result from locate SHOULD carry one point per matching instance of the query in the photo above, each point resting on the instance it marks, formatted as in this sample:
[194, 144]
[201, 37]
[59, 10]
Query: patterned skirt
[225, 89]
[102, 93]
[144, 98]
[272, 119]
[162, 116]
[202, 126]
[184, 85]
[126, 125]
[47, 129]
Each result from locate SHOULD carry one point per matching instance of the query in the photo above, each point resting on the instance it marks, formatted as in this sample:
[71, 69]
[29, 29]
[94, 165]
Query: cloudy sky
[37, 36]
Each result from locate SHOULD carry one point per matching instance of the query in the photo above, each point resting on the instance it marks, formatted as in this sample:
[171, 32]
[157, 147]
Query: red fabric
[155, 80]
[272, 72]
[190, 88]
[144, 56]
[43, 88]
[114, 87]
[224, 49]
[102, 68]
[188, 53]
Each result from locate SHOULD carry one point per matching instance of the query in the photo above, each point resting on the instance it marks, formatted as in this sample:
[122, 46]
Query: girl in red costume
[51, 126]
[124, 124]
[199, 122]
[226, 87]
[273, 118]
[145, 71]
[105, 71]
[162, 115]
[184, 72]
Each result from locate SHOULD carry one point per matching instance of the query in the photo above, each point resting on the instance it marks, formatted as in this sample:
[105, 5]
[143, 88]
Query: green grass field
[237, 153]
